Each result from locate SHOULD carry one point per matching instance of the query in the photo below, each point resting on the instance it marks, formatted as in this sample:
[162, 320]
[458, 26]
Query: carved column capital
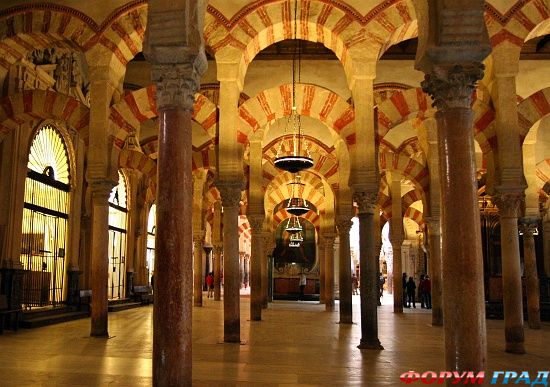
[509, 203]
[198, 238]
[434, 225]
[452, 86]
[343, 225]
[230, 193]
[101, 189]
[528, 226]
[176, 85]
[329, 240]
[366, 201]
[256, 223]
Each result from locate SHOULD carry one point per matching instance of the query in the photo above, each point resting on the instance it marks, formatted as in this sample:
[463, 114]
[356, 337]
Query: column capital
[366, 201]
[452, 86]
[230, 193]
[528, 226]
[509, 203]
[217, 248]
[329, 239]
[176, 85]
[434, 225]
[343, 225]
[256, 222]
[198, 237]
[101, 188]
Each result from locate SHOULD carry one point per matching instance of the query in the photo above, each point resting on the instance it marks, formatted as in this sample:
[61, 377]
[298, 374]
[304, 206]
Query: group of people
[424, 292]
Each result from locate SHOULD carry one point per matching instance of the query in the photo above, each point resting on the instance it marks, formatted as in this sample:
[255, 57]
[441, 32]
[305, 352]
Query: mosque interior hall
[274, 192]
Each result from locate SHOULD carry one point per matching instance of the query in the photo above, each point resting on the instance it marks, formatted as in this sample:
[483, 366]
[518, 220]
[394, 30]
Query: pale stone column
[231, 196]
[256, 297]
[100, 252]
[329, 272]
[322, 269]
[268, 241]
[346, 309]
[434, 243]
[366, 203]
[462, 268]
[396, 238]
[508, 205]
[198, 243]
[528, 227]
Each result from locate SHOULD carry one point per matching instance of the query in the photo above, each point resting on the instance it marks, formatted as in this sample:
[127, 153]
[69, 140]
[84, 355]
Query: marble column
[368, 261]
[528, 227]
[462, 268]
[346, 311]
[434, 243]
[267, 239]
[256, 297]
[101, 190]
[508, 206]
[322, 270]
[198, 242]
[217, 271]
[329, 272]
[231, 196]
[396, 238]
[173, 308]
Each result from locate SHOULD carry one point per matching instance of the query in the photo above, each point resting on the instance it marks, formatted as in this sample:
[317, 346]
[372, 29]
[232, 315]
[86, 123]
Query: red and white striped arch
[140, 105]
[414, 103]
[40, 104]
[311, 100]
[526, 18]
[532, 109]
[138, 161]
[282, 215]
[410, 168]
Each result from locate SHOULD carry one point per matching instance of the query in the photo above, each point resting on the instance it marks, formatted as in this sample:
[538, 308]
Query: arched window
[151, 230]
[118, 212]
[45, 219]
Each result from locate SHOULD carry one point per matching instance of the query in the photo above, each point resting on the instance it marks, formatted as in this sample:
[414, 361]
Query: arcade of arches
[138, 139]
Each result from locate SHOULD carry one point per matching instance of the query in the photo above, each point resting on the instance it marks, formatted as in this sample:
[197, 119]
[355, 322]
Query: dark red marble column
[370, 267]
[100, 256]
[462, 262]
[197, 268]
[173, 309]
[346, 309]
[329, 273]
[256, 223]
[231, 196]
[528, 227]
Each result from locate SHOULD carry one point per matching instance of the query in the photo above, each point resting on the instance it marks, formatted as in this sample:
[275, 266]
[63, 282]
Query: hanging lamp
[296, 204]
[293, 225]
[298, 157]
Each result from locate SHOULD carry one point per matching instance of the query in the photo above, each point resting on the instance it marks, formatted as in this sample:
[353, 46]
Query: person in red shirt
[210, 285]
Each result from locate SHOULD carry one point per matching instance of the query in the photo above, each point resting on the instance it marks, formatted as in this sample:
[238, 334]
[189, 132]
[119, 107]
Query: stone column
[322, 269]
[217, 271]
[434, 243]
[346, 311]
[528, 227]
[198, 243]
[329, 272]
[508, 206]
[396, 238]
[366, 202]
[462, 268]
[256, 299]
[268, 240]
[101, 190]
[231, 196]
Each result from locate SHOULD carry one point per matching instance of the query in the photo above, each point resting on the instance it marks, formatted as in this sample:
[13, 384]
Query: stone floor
[297, 343]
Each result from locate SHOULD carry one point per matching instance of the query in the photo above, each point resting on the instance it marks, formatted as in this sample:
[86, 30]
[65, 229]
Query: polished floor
[296, 344]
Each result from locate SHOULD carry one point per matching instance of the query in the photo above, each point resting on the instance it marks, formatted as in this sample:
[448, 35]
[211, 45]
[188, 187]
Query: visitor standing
[411, 287]
[210, 285]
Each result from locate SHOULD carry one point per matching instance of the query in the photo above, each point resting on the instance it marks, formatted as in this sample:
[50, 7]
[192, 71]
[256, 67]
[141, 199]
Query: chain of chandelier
[297, 158]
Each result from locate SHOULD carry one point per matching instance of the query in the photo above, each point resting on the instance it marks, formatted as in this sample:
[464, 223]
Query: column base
[345, 321]
[515, 348]
[371, 344]
[99, 334]
[534, 324]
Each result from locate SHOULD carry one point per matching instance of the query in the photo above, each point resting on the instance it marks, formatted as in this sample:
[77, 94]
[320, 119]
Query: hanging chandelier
[296, 239]
[297, 158]
[296, 204]
[293, 225]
